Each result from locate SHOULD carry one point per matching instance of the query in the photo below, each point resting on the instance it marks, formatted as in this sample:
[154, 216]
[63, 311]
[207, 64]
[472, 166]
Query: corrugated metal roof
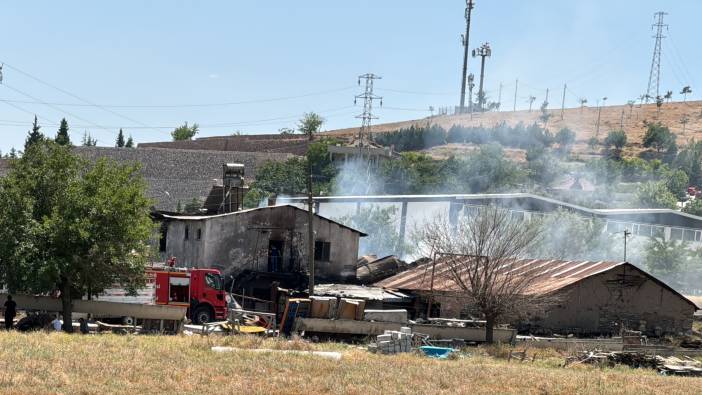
[547, 275]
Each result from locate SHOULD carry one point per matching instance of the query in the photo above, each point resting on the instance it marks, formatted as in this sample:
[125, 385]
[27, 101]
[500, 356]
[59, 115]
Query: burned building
[268, 243]
[592, 298]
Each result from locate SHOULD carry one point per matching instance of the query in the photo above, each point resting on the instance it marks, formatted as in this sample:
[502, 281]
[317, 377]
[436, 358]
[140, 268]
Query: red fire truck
[201, 290]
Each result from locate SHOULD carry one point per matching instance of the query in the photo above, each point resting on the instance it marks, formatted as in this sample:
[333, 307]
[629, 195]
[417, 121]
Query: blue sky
[284, 58]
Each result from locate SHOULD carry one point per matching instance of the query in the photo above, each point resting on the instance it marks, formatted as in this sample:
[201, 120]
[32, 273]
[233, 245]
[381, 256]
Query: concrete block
[382, 338]
[406, 330]
[397, 315]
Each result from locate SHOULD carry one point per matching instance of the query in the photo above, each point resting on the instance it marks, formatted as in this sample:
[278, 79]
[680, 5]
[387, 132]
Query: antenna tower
[654, 77]
[464, 41]
[367, 115]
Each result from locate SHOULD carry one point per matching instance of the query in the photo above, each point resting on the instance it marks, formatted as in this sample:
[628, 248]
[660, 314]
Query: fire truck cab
[201, 290]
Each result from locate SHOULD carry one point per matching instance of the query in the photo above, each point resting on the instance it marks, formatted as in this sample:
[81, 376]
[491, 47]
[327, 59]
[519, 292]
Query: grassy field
[60, 363]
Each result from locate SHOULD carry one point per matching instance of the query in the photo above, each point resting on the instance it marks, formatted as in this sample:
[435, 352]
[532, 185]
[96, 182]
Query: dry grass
[59, 363]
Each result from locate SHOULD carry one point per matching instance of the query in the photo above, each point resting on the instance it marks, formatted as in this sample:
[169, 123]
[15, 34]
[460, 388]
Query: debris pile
[393, 342]
[665, 365]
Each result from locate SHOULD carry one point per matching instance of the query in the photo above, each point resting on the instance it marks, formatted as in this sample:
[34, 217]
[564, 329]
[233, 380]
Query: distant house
[268, 242]
[593, 298]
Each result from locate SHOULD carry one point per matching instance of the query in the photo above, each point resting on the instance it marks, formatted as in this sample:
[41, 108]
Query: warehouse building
[592, 298]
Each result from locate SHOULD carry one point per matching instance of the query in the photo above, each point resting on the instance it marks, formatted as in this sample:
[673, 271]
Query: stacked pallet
[665, 365]
[393, 342]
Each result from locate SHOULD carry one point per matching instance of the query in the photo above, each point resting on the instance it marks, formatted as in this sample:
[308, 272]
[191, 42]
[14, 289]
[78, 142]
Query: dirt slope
[581, 121]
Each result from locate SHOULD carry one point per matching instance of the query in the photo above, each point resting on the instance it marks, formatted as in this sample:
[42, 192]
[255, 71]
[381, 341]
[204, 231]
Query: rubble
[665, 365]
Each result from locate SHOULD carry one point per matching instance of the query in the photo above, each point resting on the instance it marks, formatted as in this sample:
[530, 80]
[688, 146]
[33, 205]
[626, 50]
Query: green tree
[381, 226]
[616, 139]
[120, 139]
[659, 137]
[185, 132]
[655, 195]
[34, 136]
[88, 140]
[677, 182]
[565, 138]
[62, 137]
[129, 143]
[667, 259]
[277, 178]
[310, 124]
[694, 207]
[72, 226]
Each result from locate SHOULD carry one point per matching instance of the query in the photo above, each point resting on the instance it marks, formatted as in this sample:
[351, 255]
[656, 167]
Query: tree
[593, 142]
[694, 207]
[658, 137]
[667, 259]
[185, 132]
[62, 137]
[668, 96]
[565, 139]
[310, 124]
[616, 139]
[381, 225]
[655, 195]
[686, 90]
[129, 143]
[582, 101]
[120, 139]
[71, 226]
[34, 136]
[480, 250]
[677, 183]
[88, 140]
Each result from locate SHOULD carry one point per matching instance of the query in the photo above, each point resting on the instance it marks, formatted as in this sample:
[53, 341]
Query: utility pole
[621, 121]
[599, 113]
[546, 100]
[367, 115]
[310, 224]
[471, 85]
[516, 85]
[654, 77]
[499, 97]
[565, 86]
[465, 41]
[483, 51]
[626, 235]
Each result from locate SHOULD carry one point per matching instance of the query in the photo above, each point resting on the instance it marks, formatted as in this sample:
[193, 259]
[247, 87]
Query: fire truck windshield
[213, 281]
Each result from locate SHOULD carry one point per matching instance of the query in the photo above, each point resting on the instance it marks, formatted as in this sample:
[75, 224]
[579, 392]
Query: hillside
[581, 121]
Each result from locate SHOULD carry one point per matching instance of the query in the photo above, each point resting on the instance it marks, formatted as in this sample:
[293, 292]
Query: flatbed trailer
[374, 328]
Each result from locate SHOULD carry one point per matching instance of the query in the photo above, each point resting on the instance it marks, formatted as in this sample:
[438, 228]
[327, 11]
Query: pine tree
[120, 139]
[62, 137]
[34, 136]
[130, 143]
[88, 140]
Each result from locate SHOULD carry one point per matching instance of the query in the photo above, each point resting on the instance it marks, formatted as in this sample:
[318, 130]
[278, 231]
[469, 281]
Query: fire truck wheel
[203, 314]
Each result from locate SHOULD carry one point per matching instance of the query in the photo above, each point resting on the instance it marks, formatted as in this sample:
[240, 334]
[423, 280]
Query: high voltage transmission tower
[464, 40]
[654, 77]
[367, 115]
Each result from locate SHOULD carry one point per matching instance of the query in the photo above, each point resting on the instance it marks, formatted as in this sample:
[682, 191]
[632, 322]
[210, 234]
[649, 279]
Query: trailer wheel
[202, 315]
[128, 321]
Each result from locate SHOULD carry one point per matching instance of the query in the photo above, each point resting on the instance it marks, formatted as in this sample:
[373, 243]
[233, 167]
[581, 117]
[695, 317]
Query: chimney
[272, 200]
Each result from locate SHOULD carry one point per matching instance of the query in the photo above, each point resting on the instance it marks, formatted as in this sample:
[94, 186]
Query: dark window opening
[275, 256]
[213, 281]
[322, 251]
[199, 234]
[187, 232]
[163, 238]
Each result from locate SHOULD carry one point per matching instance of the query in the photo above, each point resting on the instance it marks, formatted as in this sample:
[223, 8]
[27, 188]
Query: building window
[163, 237]
[321, 251]
[187, 232]
[199, 234]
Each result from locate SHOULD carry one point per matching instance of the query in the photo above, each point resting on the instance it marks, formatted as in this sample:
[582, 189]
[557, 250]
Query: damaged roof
[359, 292]
[548, 275]
[272, 208]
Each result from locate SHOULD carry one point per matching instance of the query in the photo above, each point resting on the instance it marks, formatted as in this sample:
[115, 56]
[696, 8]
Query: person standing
[10, 312]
